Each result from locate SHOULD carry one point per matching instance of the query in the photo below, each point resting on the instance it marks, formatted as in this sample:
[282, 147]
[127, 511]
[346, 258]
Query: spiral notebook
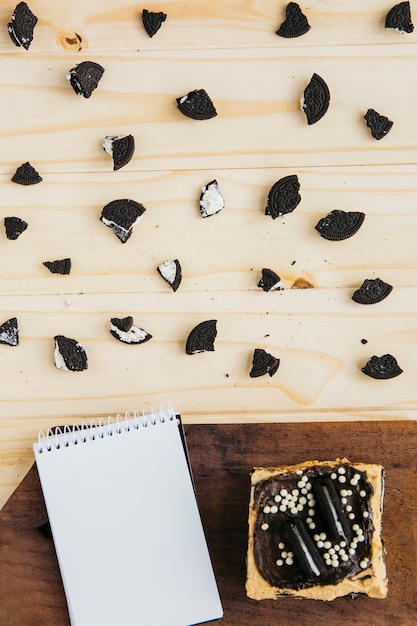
[125, 522]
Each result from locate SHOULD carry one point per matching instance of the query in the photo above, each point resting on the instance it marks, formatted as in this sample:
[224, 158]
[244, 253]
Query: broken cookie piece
[379, 125]
[22, 25]
[9, 332]
[171, 272]
[201, 338]
[14, 227]
[283, 197]
[339, 225]
[371, 291]
[122, 216]
[152, 21]
[124, 330]
[121, 148]
[69, 354]
[316, 99]
[211, 199]
[399, 18]
[85, 77]
[382, 367]
[295, 23]
[197, 105]
[263, 363]
[60, 266]
[26, 175]
[270, 281]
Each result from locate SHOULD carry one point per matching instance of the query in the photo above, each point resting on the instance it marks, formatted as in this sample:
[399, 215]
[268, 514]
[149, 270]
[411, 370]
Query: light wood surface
[256, 80]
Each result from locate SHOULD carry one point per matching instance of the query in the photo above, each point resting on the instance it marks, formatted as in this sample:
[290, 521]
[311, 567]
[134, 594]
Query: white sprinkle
[327, 545]
[277, 498]
[282, 508]
[341, 470]
[304, 491]
[308, 486]
[363, 564]
[290, 555]
[288, 561]
[351, 516]
[294, 511]
[283, 492]
[337, 547]
[342, 479]
[362, 493]
[355, 527]
[344, 557]
[279, 562]
[359, 531]
[281, 545]
[302, 500]
[344, 500]
[300, 484]
[343, 493]
[310, 496]
[335, 562]
[365, 514]
[348, 508]
[342, 551]
[299, 472]
[351, 551]
[326, 556]
[357, 477]
[320, 544]
[332, 551]
[274, 508]
[265, 526]
[300, 507]
[284, 554]
[311, 512]
[295, 492]
[361, 538]
[343, 544]
[312, 502]
[316, 537]
[267, 509]
[350, 492]
[312, 526]
[333, 476]
[323, 536]
[308, 520]
[284, 502]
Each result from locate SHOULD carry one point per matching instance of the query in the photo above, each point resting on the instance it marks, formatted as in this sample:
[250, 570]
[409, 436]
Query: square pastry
[315, 531]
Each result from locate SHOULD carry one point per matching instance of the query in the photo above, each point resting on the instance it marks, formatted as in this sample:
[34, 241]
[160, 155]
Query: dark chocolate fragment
[121, 148]
[124, 330]
[270, 281]
[152, 21]
[69, 354]
[122, 323]
[316, 99]
[371, 291]
[60, 266]
[379, 125]
[382, 367]
[14, 226]
[263, 363]
[339, 225]
[45, 530]
[211, 199]
[26, 175]
[85, 77]
[201, 338]
[295, 23]
[283, 197]
[9, 332]
[121, 216]
[399, 18]
[171, 272]
[197, 104]
[22, 26]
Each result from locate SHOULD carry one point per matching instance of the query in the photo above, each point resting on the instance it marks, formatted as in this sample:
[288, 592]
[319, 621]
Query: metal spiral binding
[92, 431]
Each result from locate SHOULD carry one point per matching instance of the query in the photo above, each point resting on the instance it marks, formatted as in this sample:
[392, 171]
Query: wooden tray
[222, 457]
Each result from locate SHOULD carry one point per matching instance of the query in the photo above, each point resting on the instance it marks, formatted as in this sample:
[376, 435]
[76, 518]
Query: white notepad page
[126, 526]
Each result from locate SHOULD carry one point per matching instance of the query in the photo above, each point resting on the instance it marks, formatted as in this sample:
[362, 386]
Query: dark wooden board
[222, 456]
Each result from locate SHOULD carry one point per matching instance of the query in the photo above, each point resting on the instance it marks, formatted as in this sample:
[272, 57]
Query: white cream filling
[211, 201]
[108, 142]
[59, 359]
[168, 270]
[133, 335]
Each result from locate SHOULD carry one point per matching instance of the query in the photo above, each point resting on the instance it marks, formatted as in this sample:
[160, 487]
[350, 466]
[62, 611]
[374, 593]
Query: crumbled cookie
[371, 291]
[270, 281]
[379, 125]
[382, 367]
[85, 77]
[122, 216]
[339, 225]
[69, 354]
[124, 330]
[197, 105]
[121, 148]
[316, 99]
[14, 227]
[26, 175]
[9, 332]
[22, 26]
[152, 21]
[283, 197]
[295, 23]
[263, 363]
[171, 272]
[60, 266]
[201, 338]
[211, 199]
[399, 18]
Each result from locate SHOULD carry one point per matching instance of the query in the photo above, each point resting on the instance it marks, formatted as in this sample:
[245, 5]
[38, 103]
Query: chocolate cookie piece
[270, 281]
[263, 363]
[85, 77]
[201, 338]
[339, 225]
[197, 105]
[152, 21]
[211, 199]
[9, 332]
[14, 226]
[295, 23]
[399, 18]
[121, 148]
[26, 175]
[171, 272]
[124, 330]
[22, 25]
[60, 266]
[379, 125]
[316, 99]
[283, 197]
[371, 291]
[122, 216]
[382, 367]
[69, 354]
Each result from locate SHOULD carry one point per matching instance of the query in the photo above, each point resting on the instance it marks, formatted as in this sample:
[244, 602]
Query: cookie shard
[322, 543]
[121, 148]
[263, 363]
[197, 105]
[371, 291]
[339, 225]
[26, 175]
[152, 21]
[399, 18]
[14, 227]
[22, 26]
[125, 331]
[270, 281]
[9, 332]
[283, 197]
[382, 367]
[202, 337]
[85, 77]
[379, 125]
[295, 23]
[59, 266]
[316, 99]
[122, 216]
[69, 354]
[211, 199]
[171, 272]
